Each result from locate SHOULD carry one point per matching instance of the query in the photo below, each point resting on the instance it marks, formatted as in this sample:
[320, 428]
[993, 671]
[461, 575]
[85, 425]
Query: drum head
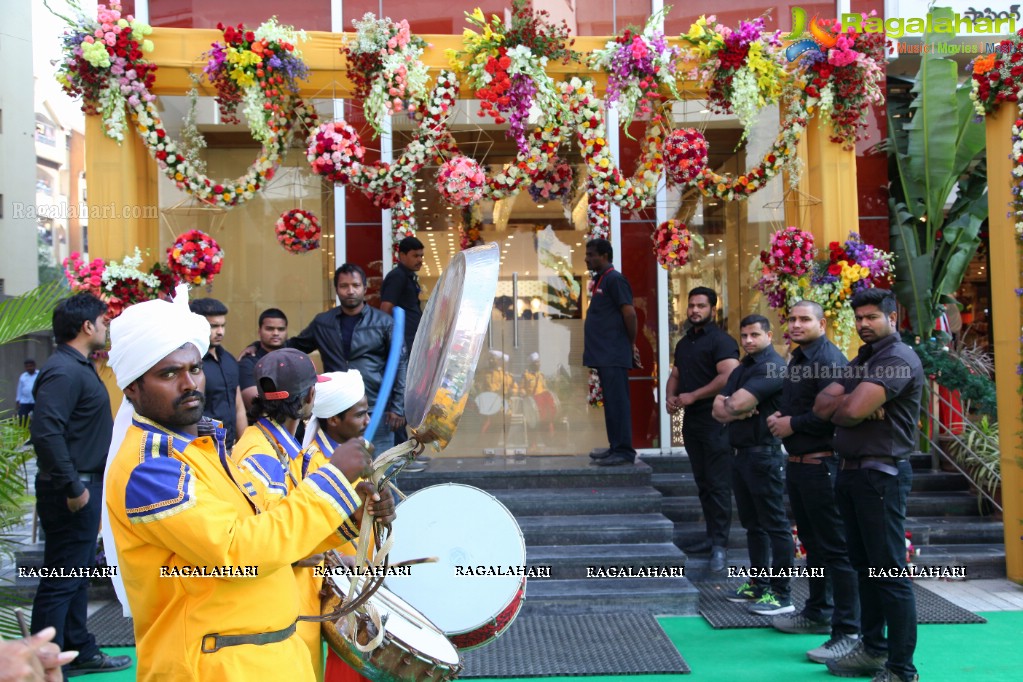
[474, 537]
[447, 346]
[489, 403]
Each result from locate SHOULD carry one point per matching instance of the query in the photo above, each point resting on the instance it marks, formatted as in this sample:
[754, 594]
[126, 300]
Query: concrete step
[580, 501]
[688, 533]
[506, 473]
[677, 484]
[674, 484]
[596, 529]
[657, 596]
[669, 464]
[571, 561]
[979, 560]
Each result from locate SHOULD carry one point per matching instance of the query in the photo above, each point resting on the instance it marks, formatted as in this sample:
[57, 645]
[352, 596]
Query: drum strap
[213, 642]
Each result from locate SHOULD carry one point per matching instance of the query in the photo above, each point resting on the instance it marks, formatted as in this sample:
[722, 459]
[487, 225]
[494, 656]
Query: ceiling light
[539, 205]
[704, 111]
[421, 190]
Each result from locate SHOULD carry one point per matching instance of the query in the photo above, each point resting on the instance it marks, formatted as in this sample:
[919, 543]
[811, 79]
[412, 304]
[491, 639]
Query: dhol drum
[478, 584]
[489, 403]
[413, 649]
[542, 408]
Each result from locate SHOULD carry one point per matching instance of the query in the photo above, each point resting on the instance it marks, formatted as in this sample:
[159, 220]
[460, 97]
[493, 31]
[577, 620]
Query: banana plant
[933, 152]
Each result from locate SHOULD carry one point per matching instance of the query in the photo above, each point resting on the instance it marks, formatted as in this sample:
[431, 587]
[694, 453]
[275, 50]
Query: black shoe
[717, 559]
[600, 453]
[801, 624]
[859, 662]
[701, 547]
[613, 461]
[100, 663]
[414, 467]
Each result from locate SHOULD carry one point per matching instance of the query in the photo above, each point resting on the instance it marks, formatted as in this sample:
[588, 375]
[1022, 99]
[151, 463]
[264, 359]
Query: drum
[542, 408]
[489, 403]
[413, 649]
[477, 587]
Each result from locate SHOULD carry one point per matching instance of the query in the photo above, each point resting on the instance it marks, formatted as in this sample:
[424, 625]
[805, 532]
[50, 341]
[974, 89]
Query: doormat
[723, 614]
[110, 627]
[601, 644]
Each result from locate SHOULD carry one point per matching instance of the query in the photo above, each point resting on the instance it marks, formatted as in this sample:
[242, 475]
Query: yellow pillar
[1008, 321]
[829, 174]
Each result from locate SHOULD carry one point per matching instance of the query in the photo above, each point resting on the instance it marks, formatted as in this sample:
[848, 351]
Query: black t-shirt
[221, 389]
[697, 355]
[401, 288]
[247, 368]
[606, 341]
[812, 368]
[760, 374]
[348, 323]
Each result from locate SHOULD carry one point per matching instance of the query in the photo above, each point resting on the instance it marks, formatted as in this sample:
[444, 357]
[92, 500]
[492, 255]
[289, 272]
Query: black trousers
[873, 507]
[706, 443]
[812, 496]
[614, 381]
[71, 543]
[759, 484]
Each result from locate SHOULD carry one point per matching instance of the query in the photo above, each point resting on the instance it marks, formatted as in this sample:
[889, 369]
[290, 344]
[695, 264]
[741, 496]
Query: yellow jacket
[176, 507]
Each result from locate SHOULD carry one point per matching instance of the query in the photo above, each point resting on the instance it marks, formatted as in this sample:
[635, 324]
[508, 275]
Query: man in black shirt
[752, 393]
[609, 346]
[704, 358]
[71, 433]
[833, 604]
[273, 334]
[875, 408]
[401, 287]
[223, 394]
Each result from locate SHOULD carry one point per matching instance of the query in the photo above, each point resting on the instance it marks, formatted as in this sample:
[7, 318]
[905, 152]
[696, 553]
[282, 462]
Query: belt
[811, 457]
[83, 476]
[884, 464]
[214, 642]
[773, 450]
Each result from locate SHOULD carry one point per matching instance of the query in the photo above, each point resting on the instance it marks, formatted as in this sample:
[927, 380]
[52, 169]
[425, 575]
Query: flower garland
[403, 220]
[638, 66]
[195, 257]
[791, 272]
[741, 69]
[554, 183]
[119, 284]
[507, 66]
[334, 150]
[385, 67]
[298, 231]
[685, 156]
[470, 233]
[672, 241]
[594, 391]
[598, 216]
[460, 181]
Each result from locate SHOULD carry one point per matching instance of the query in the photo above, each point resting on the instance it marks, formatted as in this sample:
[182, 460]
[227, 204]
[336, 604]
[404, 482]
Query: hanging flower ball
[334, 149]
[460, 181]
[553, 183]
[672, 241]
[685, 155]
[195, 257]
[298, 231]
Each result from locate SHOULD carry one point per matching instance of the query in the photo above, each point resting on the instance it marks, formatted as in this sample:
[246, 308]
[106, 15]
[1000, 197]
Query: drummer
[497, 379]
[175, 503]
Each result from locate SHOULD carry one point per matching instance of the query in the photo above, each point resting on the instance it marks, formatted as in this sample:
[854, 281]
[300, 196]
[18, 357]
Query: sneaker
[799, 624]
[887, 675]
[834, 648]
[771, 605]
[746, 594]
[859, 662]
[100, 663]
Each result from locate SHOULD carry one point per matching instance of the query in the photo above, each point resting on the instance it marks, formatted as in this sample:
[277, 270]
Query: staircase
[942, 514]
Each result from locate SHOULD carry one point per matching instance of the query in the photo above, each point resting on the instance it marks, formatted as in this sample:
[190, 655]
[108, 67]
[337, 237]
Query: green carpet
[945, 653]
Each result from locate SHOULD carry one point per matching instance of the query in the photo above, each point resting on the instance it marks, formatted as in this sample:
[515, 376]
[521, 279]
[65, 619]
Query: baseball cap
[284, 373]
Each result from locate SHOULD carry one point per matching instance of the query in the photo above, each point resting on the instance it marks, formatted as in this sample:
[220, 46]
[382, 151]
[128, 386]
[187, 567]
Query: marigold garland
[298, 231]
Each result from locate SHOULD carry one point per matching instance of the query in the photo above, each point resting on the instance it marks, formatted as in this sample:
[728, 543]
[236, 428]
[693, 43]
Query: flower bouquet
[638, 65]
[384, 65]
[741, 69]
[507, 66]
[103, 64]
[195, 257]
[334, 149]
[460, 181]
[685, 156]
[998, 77]
[672, 241]
[298, 231]
[119, 284]
[554, 183]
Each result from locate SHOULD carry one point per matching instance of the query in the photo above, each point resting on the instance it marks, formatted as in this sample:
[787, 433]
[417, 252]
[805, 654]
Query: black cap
[284, 373]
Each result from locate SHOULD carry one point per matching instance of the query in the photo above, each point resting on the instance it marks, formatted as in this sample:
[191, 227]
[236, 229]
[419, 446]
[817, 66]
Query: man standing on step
[704, 358]
[752, 393]
[875, 408]
[609, 346]
[833, 605]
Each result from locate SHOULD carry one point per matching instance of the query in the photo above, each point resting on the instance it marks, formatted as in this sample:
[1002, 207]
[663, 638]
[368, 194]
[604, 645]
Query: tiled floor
[979, 595]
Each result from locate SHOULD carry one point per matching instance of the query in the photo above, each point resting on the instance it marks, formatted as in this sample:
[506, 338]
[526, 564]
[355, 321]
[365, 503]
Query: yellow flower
[242, 78]
[489, 34]
[477, 15]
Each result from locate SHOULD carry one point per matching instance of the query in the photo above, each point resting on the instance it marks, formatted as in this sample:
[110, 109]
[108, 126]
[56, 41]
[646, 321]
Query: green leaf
[912, 268]
[31, 312]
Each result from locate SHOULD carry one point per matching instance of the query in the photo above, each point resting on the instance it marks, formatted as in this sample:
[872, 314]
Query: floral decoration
[298, 231]
[119, 284]
[998, 77]
[791, 272]
[598, 216]
[403, 220]
[554, 183]
[741, 68]
[470, 234]
[460, 181]
[103, 64]
[195, 257]
[594, 391]
[845, 82]
[685, 156]
[638, 65]
[507, 66]
[384, 65]
[334, 150]
[672, 241]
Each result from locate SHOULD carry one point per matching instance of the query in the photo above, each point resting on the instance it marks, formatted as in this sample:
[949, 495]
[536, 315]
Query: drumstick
[413, 562]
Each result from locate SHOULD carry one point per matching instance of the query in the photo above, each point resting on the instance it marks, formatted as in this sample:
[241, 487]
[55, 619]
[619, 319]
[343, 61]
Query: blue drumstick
[390, 371]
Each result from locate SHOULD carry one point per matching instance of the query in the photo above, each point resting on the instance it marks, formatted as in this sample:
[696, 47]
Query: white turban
[334, 397]
[534, 356]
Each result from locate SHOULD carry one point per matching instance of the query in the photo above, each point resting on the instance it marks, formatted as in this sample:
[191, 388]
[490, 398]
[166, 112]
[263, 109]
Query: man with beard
[273, 334]
[875, 408]
[833, 603]
[704, 358]
[223, 394]
[357, 336]
[176, 510]
[752, 393]
[71, 433]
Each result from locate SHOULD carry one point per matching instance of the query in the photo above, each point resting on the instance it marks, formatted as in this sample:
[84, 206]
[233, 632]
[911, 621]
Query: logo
[821, 38]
